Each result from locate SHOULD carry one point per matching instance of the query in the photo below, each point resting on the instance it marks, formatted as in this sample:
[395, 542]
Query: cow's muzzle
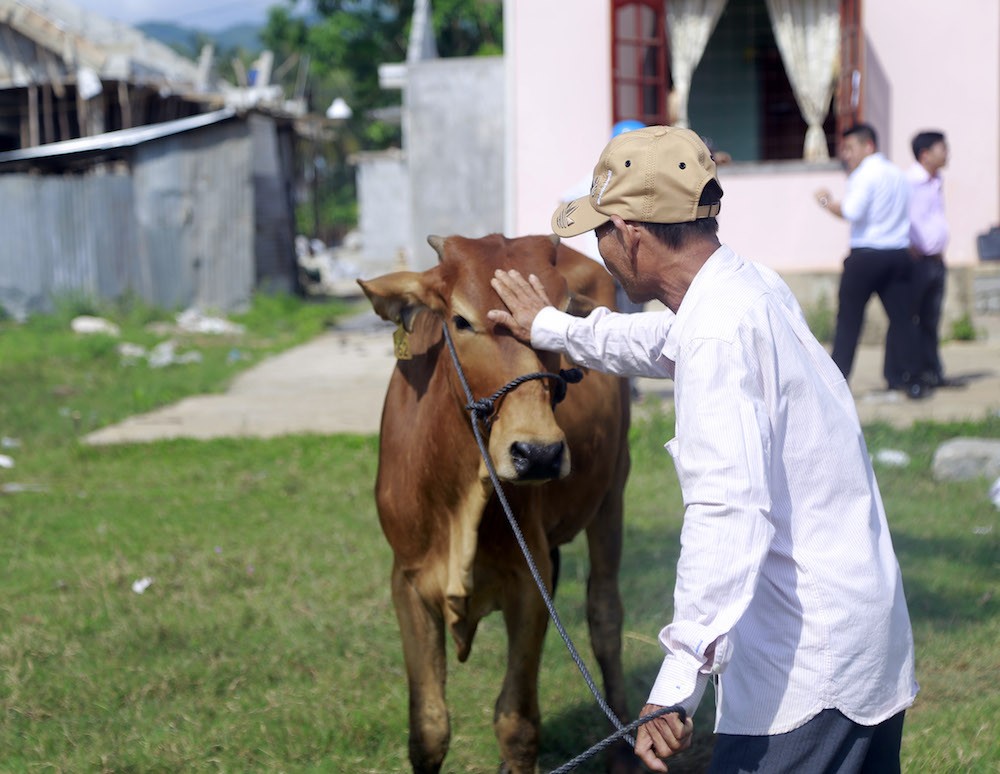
[537, 462]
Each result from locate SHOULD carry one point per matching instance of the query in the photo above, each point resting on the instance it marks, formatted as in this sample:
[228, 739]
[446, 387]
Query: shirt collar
[920, 176]
[872, 158]
[720, 264]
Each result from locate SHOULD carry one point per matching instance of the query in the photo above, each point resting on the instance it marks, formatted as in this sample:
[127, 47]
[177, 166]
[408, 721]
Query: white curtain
[808, 36]
[689, 26]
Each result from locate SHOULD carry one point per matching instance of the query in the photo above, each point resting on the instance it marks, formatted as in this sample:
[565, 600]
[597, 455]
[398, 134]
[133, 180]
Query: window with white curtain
[735, 89]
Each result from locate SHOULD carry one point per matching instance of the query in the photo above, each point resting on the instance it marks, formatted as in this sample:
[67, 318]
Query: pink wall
[559, 90]
[773, 218]
[941, 68]
[943, 60]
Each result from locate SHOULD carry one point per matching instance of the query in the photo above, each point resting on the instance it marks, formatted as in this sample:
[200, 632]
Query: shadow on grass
[574, 730]
[946, 580]
[945, 596]
[646, 581]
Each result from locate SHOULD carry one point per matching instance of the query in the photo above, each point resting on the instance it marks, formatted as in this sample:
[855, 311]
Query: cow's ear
[580, 305]
[399, 297]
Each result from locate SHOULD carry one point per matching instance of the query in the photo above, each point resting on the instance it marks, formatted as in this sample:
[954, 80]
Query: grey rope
[483, 409]
[475, 409]
[621, 732]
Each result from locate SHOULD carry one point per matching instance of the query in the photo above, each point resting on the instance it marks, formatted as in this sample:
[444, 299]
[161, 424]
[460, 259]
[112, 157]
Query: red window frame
[650, 91]
[639, 72]
[849, 98]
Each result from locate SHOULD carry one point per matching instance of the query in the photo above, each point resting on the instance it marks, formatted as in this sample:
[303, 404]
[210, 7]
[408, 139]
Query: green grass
[267, 640]
[821, 318]
[56, 385]
[962, 329]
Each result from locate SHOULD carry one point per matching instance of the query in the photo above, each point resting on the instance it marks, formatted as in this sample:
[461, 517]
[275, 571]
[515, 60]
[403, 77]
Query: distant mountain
[245, 36]
[188, 40]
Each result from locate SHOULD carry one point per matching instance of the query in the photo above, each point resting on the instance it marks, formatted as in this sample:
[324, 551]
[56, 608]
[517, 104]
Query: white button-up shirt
[877, 205]
[787, 585]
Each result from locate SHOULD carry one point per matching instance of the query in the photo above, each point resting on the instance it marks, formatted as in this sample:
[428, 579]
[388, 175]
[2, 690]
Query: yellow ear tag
[401, 343]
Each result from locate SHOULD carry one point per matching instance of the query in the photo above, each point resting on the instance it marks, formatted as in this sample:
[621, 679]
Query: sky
[209, 15]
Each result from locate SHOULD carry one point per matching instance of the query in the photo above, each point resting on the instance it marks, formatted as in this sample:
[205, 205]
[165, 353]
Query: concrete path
[332, 384]
[336, 384]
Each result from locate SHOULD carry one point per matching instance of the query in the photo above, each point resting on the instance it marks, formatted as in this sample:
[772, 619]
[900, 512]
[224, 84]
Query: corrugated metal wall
[195, 218]
[63, 236]
[274, 211]
[178, 231]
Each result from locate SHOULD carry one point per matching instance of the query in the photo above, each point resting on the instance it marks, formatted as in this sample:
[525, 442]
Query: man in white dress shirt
[788, 592]
[876, 205]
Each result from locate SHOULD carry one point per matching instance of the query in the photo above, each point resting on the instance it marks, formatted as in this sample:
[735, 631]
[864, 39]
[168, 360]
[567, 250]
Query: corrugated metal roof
[112, 49]
[123, 138]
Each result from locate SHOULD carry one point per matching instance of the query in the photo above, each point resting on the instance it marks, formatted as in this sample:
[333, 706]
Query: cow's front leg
[421, 627]
[605, 616]
[517, 720]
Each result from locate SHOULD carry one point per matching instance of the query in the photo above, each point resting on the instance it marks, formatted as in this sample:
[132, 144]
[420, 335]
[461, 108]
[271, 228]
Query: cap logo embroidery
[598, 188]
[563, 220]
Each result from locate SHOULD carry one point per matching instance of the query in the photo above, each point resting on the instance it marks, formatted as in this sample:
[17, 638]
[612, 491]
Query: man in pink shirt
[928, 239]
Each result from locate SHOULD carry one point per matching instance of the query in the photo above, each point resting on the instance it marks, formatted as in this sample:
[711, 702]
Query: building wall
[383, 212]
[769, 214]
[454, 143]
[64, 237]
[274, 209]
[558, 60]
[944, 67]
[175, 227]
[930, 64]
[194, 212]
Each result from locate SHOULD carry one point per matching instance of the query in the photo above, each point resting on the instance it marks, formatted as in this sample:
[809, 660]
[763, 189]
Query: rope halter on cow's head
[484, 409]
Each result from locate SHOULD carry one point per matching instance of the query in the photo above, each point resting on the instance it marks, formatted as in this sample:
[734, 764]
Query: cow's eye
[461, 323]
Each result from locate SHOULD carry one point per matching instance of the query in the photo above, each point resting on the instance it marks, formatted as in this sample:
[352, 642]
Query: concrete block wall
[454, 138]
[384, 218]
[970, 291]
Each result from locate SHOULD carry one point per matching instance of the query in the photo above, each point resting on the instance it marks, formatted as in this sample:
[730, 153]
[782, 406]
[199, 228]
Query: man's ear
[399, 297]
[631, 235]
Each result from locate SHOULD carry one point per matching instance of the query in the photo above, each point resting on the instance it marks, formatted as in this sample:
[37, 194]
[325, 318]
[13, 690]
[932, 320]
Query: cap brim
[577, 217]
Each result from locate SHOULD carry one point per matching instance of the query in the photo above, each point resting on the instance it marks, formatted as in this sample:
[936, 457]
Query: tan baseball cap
[651, 175]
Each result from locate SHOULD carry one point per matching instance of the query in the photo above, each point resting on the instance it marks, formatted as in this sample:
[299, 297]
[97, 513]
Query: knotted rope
[483, 408]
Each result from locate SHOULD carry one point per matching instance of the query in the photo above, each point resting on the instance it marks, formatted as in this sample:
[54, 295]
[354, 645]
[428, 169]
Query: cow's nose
[536, 462]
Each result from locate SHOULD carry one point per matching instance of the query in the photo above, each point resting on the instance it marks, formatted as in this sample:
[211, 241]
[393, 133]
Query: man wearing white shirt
[876, 205]
[788, 593]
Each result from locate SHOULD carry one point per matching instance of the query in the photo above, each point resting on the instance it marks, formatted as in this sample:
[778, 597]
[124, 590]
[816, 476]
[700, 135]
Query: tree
[345, 41]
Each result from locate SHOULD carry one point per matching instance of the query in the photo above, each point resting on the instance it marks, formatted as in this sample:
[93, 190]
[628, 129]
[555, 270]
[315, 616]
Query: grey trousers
[830, 743]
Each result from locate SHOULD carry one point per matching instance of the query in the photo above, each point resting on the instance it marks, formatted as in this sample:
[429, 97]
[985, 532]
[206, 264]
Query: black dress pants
[929, 281]
[830, 743]
[889, 273]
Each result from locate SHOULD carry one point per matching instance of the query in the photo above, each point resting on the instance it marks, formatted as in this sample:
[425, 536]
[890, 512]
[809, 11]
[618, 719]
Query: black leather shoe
[918, 391]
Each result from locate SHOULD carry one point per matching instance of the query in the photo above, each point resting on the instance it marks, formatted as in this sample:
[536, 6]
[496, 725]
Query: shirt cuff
[549, 329]
[678, 683]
